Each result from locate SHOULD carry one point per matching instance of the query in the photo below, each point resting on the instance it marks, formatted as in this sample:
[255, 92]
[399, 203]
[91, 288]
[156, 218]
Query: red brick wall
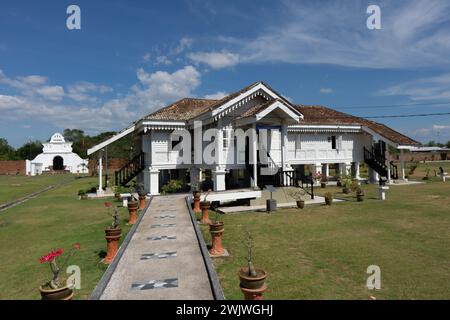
[423, 156]
[12, 167]
[114, 164]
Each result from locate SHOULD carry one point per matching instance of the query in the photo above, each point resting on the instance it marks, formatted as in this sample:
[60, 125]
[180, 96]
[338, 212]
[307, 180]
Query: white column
[356, 164]
[100, 175]
[316, 168]
[154, 181]
[219, 179]
[373, 176]
[219, 144]
[348, 168]
[402, 164]
[284, 143]
[255, 156]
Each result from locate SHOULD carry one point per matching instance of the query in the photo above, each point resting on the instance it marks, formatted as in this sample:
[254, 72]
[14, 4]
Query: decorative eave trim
[146, 125]
[324, 128]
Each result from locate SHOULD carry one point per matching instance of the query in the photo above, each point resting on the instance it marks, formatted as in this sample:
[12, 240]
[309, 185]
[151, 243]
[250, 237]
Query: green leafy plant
[328, 198]
[172, 186]
[251, 268]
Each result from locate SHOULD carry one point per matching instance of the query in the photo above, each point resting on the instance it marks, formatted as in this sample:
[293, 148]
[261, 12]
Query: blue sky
[133, 57]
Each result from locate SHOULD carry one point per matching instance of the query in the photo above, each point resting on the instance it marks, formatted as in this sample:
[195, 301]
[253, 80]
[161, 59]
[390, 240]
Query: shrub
[172, 186]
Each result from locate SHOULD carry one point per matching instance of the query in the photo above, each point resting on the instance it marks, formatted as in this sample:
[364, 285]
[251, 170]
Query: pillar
[373, 176]
[255, 156]
[218, 177]
[347, 168]
[154, 181]
[284, 143]
[316, 169]
[402, 165]
[100, 175]
[356, 164]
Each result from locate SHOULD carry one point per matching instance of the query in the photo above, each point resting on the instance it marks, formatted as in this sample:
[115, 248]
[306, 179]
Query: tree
[7, 152]
[29, 150]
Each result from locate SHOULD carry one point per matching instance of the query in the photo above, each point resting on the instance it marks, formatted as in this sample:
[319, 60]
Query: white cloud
[164, 60]
[184, 44]
[413, 35]
[326, 90]
[54, 93]
[216, 60]
[82, 91]
[423, 89]
[216, 96]
[152, 91]
[146, 57]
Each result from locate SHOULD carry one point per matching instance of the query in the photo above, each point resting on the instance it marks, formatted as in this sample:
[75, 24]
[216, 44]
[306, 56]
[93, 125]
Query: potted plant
[299, 196]
[112, 234]
[252, 280]
[216, 229]
[82, 195]
[323, 182]
[359, 194]
[427, 174]
[338, 180]
[205, 205]
[133, 206]
[142, 195]
[56, 288]
[328, 198]
[346, 183]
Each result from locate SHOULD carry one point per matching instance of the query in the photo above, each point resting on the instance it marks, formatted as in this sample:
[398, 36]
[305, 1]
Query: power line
[397, 105]
[409, 115]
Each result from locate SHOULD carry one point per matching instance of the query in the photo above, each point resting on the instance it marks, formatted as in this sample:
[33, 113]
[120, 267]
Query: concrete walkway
[163, 259]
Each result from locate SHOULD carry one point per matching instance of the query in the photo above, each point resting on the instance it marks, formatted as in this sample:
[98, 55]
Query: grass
[323, 252]
[54, 219]
[15, 187]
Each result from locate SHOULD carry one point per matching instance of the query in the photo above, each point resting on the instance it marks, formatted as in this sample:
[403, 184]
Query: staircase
[376, 162]
[130, 170]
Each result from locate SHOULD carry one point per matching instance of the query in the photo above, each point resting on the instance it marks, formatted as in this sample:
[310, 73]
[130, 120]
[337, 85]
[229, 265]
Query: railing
[130, 170]
[376, 162]
[394, 170]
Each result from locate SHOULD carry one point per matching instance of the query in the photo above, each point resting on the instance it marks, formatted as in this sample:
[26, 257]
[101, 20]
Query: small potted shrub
[172, 186]
[112, 234]
[347, 182]
[56, 288]
[427, 174]
[299, 196]
[328, 198]
[205, 205]
[323, 182]
[196, 195]
[82, 195]
[216, 229]
[133, 206]
[338, 180]
[142, 195]
[252, 280]
[359, 194]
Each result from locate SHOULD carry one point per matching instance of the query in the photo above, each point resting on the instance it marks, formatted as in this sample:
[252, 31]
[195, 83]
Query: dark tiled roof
[182, 110]
[321, 115]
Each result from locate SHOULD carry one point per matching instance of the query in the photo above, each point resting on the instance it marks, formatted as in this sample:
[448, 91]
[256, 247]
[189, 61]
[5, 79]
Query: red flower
[107, 204]
[77, 246]
[52, 255]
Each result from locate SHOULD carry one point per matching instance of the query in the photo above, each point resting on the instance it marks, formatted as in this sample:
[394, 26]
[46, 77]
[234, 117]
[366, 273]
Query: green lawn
[55, 219]
[323, 252]
[15, 187]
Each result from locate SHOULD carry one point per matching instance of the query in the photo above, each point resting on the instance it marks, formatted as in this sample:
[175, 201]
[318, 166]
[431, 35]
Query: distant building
[57, 156]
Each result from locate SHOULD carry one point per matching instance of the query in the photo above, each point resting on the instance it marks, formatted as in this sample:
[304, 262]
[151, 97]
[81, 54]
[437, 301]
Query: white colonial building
[57, 155]
[301, 141]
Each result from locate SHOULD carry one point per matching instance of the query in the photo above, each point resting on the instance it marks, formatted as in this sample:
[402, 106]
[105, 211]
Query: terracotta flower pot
[196, 195]
[205, 205]
[216, 229]
[328, 201]
[346, 190]
[142, 199]
[112, 237]
[360, 197]
[323, 185]
[300, 204]
[64, 293]
[252, 283]
[132, 210]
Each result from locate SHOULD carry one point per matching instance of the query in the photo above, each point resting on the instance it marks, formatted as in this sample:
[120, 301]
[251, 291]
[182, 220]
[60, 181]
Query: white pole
[402, 162]
[100, 174]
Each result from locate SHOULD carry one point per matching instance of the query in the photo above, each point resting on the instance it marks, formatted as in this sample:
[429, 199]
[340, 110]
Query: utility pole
[106, 167]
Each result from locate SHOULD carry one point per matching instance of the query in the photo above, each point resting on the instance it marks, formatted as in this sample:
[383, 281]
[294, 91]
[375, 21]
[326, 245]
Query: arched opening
[58, 163]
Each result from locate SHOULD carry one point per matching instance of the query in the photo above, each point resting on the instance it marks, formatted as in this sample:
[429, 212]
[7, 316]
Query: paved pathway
[163, 259]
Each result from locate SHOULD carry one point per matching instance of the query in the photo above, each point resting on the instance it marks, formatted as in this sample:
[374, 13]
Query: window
[226, 137]
[298, 142]
[176, 142]
[333, 142]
